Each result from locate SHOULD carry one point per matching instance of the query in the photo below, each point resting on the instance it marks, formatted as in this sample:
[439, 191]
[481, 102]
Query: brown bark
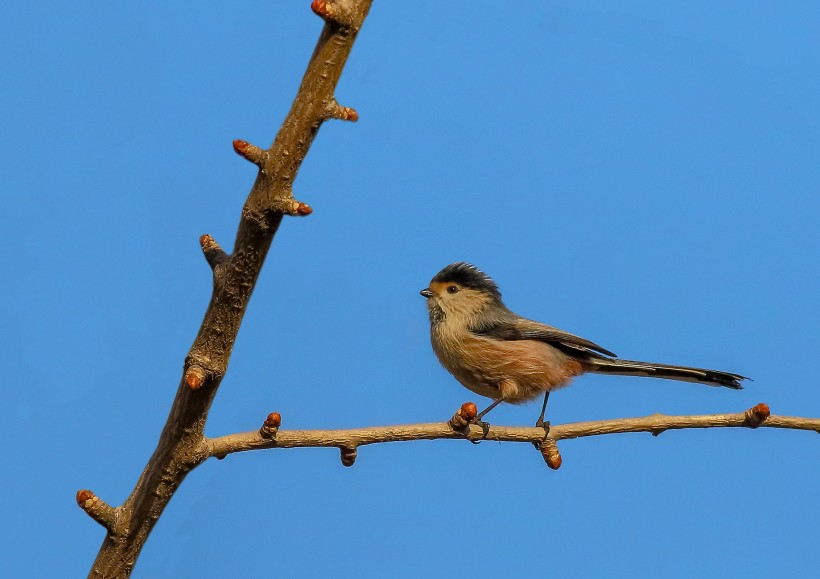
[180, 447]
[459, 428]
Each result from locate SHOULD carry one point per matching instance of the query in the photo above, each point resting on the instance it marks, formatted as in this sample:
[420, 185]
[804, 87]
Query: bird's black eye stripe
[451, 289]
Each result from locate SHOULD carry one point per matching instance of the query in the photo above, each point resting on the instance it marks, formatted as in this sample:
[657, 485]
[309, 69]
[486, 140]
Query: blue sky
[643, 174]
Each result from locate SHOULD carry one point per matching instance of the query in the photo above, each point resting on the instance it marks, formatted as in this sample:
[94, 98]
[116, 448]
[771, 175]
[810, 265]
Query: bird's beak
[426, 293]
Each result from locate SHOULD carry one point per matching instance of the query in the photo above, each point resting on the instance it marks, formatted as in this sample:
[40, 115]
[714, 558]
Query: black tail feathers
[682, 373]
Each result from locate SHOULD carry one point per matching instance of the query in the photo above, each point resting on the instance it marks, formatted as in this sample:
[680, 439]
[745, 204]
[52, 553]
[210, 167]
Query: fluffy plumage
[498, 354]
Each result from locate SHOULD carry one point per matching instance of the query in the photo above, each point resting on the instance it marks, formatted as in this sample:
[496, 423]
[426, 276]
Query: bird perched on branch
[498, 354]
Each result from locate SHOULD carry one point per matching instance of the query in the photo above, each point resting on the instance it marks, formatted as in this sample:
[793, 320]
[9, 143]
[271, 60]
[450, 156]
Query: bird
[500, 355]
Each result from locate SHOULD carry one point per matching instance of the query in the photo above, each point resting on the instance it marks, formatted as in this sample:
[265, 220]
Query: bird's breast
[518, 370]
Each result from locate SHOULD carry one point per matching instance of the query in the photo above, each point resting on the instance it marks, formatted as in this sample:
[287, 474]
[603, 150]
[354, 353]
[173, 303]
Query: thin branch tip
[337, 111]
[292, 207]
[84, 495]
[96, 508]
[213, 253]
[249, 152]
[207, 242]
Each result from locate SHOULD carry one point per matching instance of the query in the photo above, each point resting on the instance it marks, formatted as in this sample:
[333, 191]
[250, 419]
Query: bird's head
[460, 290]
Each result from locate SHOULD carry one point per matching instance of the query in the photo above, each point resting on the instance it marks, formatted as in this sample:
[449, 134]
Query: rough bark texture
[180, 447]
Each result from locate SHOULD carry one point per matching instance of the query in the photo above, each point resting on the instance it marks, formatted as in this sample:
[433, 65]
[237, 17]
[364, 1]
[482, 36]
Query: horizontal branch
[347, 439]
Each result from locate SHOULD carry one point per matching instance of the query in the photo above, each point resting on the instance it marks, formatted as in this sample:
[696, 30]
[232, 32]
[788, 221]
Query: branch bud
[195, 377]
[271, 425]
[322, 8]
[213, 253]
[292, 207]
[348, 455]
[249, 152]
[84, 496]
[549, 450]
[337, 111]
[756, 415]
[96, 508]
[333, 12]
[462, 418]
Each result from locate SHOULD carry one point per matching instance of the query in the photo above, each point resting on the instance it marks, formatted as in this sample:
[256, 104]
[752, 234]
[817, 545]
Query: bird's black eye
[452, 289]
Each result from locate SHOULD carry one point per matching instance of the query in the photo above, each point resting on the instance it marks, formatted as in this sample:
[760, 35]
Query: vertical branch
[181, 446]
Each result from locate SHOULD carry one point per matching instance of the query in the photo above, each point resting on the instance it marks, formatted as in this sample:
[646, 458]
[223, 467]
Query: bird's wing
[523, 329]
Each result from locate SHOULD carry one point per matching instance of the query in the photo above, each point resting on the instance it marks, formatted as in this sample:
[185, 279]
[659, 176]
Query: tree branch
[180, 447]
[755, 417]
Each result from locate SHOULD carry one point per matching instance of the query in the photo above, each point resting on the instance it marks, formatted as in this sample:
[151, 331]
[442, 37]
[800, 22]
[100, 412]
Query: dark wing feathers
[522, 329]
[508, 326]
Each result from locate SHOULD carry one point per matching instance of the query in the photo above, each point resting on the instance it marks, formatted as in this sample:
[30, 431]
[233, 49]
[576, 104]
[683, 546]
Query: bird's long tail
[683, 373]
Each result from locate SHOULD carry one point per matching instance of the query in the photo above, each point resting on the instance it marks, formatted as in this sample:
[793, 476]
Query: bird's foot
[485, 428]
[545, 424]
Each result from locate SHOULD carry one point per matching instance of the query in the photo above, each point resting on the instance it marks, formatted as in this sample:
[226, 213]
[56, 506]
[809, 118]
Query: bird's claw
[485, 428]
[545, 424]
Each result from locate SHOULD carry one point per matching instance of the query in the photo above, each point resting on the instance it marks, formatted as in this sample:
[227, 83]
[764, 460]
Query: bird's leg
[485, 427]
[540, 422]
[481, 414]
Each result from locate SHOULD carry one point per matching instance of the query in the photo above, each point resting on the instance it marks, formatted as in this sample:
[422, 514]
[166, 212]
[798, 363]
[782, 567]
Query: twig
[755, 417]
[98, 509]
